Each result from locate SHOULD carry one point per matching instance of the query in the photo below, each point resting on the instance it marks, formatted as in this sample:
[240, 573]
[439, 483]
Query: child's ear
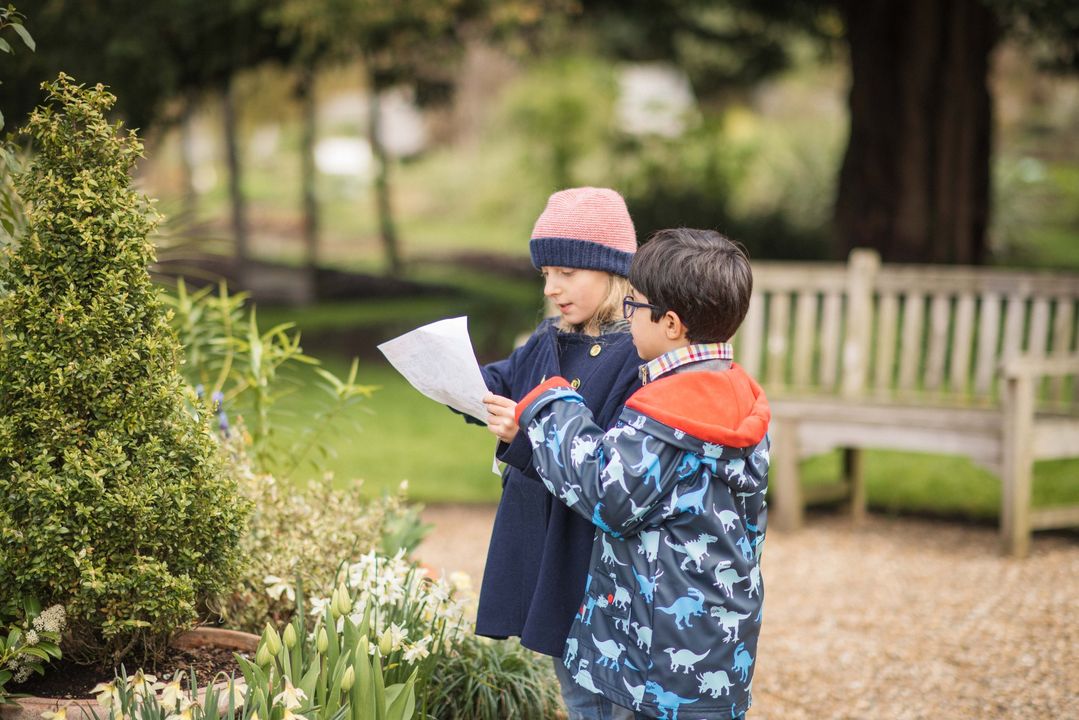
[673, 327]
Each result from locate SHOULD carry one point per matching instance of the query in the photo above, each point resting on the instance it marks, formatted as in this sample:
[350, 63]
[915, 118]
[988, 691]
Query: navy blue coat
[539, 553]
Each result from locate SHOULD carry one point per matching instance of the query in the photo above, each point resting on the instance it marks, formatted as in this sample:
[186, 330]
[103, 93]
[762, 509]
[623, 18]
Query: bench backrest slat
[748, 338]
[778, 348]
[884, 361]
[939, 318]
[961, 348]
[805, 337]
[1061, 344]
[910, 344]
[988, 334]
[831, 319]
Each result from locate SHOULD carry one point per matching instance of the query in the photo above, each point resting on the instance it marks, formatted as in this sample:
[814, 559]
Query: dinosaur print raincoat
[671, 613]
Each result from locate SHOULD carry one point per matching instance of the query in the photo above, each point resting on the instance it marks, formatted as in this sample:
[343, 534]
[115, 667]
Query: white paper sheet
[438, 360]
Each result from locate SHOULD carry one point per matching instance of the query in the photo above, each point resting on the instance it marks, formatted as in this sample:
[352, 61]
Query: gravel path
[897, 619]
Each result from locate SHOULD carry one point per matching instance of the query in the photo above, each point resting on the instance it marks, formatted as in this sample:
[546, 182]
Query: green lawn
[406, 436]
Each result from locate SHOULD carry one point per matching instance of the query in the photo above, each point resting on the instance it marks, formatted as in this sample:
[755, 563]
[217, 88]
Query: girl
[538, 558]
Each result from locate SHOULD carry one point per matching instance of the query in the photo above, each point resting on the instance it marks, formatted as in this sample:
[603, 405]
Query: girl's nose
[550, 288]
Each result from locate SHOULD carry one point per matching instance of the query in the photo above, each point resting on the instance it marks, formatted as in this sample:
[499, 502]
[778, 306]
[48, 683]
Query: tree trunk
[190, 203]
[382, 184]
[236, 195]
[915, 179]
[305, 89]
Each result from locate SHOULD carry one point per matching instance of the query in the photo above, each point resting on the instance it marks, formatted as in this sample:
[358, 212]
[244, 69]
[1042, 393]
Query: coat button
[596, 350]
[576, 383]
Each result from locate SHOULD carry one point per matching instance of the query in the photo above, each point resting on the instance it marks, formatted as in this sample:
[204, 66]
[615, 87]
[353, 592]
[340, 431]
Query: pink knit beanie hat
[587, 228]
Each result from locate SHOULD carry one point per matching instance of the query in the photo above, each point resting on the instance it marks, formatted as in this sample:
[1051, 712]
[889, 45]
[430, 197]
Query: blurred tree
[416, 43]
[403, 42]
[159, 57]
[915, 177]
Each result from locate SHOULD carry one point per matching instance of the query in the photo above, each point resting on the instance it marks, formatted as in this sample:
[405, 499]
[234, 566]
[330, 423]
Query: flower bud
[344, 602]
[323, 641]
[289, 636]
[348, 678]
[263, 657]
[272, 639]
[362, 646]
[385, 643]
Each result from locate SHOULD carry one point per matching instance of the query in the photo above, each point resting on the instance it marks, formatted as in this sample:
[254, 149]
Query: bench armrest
[1027, 366]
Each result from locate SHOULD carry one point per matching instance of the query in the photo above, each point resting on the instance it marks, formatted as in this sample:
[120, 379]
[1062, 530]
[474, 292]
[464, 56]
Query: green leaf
[22, 32]
[4, 47]
[36, 652]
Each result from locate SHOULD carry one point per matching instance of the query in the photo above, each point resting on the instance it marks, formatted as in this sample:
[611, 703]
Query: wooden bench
[956, 360]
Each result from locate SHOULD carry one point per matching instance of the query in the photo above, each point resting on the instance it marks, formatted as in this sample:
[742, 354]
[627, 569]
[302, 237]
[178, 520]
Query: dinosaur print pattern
[695, 550]
[684, 659]
[689, 606]
[649, 464]
[680, 524]
[581, 448]
[715, 683]
[608, 553]
[647, 585]
[668, 702]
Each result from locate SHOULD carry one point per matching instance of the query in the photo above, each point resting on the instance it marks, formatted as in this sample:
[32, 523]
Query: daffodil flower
[171, 694]
[57, 714]
[291, 697]
[107, 695]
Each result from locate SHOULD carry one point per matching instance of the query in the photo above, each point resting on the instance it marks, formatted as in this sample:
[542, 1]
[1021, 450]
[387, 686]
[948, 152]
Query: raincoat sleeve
[620, 480]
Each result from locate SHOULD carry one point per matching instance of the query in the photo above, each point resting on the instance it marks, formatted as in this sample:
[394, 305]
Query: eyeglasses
[629, 305]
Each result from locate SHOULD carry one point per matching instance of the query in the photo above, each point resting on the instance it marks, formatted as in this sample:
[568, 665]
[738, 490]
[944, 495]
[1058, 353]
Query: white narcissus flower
[171, 694]
[319, 605]
[461, 581]
[142, 684]
[418, 650]
[276, 587]
[107, 695]
[185, 714]
[291, 697]
[398, 635]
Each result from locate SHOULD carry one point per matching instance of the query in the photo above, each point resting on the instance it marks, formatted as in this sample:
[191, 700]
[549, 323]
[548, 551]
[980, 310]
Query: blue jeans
[583, 704]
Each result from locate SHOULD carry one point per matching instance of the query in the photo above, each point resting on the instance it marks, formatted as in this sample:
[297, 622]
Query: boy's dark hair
[700, 275]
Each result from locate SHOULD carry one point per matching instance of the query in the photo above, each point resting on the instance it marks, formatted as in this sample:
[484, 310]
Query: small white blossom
[418, 650]
[31, 638]
[171, 695]
[291, 697]
[143, 685]
[51, 619]
[398, 635]
[319, 605]
[276, 587]
[461, 581]
[107, 695]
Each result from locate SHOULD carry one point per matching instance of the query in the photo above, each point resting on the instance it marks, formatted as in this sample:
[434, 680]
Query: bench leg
[854, 476]
[789, 512]
[1017, 466]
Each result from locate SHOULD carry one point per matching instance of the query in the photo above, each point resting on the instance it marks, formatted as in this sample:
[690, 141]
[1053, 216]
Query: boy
[672, 606]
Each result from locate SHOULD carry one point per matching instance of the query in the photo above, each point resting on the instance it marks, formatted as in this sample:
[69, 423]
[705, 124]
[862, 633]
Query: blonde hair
[609, 311]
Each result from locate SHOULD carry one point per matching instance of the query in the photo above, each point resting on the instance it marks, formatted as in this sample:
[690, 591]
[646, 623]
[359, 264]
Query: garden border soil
[31, 707]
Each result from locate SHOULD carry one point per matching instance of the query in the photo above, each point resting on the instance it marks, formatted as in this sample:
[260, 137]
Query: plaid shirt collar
[674, 359]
